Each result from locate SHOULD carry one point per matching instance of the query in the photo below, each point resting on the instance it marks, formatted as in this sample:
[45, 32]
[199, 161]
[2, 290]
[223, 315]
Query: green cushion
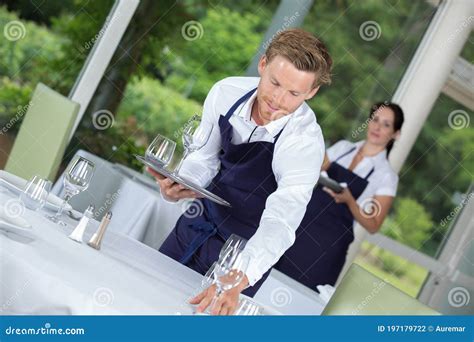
[43, 135]
[362, 293]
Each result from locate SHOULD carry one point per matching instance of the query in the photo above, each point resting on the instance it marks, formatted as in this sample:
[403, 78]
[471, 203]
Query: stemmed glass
[35, 193]
[196, 134]
[76, 179]
[3, 188]
[247, 308]
[234, 241]
[160, 151]
[206, 281]
[229, 271]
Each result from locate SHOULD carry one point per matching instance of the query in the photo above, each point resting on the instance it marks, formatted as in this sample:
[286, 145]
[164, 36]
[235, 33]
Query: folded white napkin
[16, 185]
[325, 292]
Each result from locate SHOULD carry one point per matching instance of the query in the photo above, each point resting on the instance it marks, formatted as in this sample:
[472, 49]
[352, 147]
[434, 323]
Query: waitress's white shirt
[382, 182]
[296, 164]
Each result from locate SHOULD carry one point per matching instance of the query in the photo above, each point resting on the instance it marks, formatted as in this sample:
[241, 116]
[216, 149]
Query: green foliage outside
[228, 44]
[403, 274]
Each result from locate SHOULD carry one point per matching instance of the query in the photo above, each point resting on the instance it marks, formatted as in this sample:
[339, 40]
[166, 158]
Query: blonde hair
[305, 51]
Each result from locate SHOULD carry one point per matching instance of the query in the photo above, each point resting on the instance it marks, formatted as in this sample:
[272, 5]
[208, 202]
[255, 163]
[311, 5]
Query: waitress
[263, 156]
[326, 231]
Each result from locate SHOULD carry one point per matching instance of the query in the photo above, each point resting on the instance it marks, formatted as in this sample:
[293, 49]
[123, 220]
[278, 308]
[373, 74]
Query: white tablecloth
[142, 213]
[134, 199]
[51, 274]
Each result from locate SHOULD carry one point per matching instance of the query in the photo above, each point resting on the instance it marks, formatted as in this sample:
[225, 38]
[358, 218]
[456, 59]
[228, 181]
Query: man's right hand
[171, 190]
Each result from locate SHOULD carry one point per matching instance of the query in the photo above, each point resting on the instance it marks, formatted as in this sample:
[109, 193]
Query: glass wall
[46, 42]
[433, 188]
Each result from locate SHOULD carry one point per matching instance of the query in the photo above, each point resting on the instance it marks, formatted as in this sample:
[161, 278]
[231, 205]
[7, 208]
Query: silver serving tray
[187, 183]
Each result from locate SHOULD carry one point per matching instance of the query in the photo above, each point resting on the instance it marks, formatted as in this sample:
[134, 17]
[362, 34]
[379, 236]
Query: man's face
[282, 88]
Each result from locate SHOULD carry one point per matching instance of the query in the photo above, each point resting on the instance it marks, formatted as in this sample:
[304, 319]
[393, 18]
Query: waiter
[264, 156]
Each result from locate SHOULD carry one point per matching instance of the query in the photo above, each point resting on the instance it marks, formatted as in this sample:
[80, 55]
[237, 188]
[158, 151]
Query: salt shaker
[96, 239]
[78, 232]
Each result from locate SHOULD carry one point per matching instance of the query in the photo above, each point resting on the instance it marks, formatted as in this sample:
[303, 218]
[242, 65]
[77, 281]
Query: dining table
[44, 272]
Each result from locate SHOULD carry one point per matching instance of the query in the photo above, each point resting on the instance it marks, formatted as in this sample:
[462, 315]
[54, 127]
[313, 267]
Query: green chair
[43, 136]
[362, 293]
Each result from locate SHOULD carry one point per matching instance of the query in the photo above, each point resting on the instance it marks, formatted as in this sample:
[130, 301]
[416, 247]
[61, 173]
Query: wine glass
[206, 281]
[76, 179]
[247, 308]
[35, 193]
[195, 135]
[229, 271]
[3, 185]
[160, 151]
[234, 241]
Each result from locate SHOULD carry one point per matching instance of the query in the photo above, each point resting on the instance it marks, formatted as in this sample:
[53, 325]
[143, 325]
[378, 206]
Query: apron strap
[345, 154]
[205, 230]
[238, 103]
[370, 173]
[279, 133]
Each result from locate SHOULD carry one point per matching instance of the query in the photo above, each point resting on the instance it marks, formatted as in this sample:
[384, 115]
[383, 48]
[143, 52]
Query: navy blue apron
[325, 233]
[245, 180]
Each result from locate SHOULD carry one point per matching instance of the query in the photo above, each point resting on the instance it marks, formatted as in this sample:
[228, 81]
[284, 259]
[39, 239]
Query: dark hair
[398, 118]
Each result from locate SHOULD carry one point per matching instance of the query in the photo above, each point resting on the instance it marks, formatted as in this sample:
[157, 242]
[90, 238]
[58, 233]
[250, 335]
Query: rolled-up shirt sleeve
[296, 165]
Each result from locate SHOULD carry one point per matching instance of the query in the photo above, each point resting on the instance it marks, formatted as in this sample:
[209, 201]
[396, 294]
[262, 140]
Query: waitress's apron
[245, 180]
[325, 233]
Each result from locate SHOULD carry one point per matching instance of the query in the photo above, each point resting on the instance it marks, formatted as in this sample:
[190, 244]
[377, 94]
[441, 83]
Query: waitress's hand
[227, 302]
[344, 197]
[171, 190]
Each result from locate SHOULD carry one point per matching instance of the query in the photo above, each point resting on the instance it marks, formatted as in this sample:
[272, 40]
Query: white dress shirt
[382, 182]
[296, 164]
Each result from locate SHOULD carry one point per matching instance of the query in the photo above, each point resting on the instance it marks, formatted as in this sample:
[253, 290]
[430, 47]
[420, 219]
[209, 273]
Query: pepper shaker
[96, 239]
